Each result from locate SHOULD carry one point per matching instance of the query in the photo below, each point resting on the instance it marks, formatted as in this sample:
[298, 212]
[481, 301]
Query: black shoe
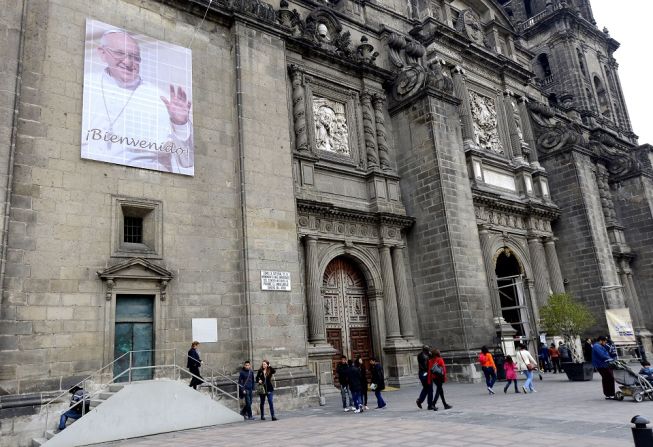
[274, 418]
[419, 404]
[262, 418]
[505, 390]
[447, 407]
[435, 408]
[430, 407]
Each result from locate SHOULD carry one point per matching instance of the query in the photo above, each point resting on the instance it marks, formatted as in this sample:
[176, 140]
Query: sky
[629, 22]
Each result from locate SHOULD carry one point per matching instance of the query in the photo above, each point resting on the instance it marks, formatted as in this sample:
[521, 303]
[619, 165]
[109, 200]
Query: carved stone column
[527, 129]
[630, 294]
[465, 108]
[513, 131]
[403, 299]
[299, 108]
[393, 330]
[538, 261]
[378, 102]
[555, 275]
[488, 263]
[369, 130]
[316, 328]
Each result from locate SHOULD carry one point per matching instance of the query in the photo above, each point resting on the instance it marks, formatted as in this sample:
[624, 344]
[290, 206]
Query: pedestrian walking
[363, 370]
[356, 387]
[601, 359]
[544, 358]
[427, 387]
[489, 368]
[246, 389]
[526, 364]
[378, 382]
[265, 388]
[342, 370]
[555, 358]
[510, 368]
[437, 376]
[193, 363]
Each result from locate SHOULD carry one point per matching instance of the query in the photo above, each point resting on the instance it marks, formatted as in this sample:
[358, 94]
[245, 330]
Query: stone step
[115, 387]
[96, 402]
[49, 434]
[38, 442]
[106, 395]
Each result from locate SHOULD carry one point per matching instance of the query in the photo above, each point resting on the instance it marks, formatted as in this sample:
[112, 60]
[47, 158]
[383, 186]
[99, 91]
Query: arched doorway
[512, 294]
[346, 310]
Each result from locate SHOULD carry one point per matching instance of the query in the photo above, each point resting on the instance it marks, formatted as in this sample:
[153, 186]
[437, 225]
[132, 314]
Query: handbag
[436, 370]
[529, 366]
[373, 386]
[260, 389]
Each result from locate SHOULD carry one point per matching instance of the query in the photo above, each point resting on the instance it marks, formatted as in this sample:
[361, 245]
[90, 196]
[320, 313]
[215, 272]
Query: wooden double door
[346, 311]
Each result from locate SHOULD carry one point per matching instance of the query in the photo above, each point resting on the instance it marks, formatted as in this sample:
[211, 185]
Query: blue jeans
[344, 393]
[270, 396]
[379, 399]
[427, 390]
[247, 409]
[490, 376]
[529, 380]
[72, 414]
[357, 400]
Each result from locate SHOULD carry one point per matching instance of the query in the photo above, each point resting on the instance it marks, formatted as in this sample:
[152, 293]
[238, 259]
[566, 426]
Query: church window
[133, 230]
[604, 105]
[137, 228]
[544, 66]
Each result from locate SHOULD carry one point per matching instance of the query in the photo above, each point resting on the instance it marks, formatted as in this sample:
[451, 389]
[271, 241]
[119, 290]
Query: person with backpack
[378, 382]
[79, 406]
[427, 387]
[437, 376]
[245, 389]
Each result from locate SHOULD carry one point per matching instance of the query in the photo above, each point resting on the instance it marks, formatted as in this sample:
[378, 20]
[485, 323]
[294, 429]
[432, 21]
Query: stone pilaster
[541, 277]
[393, 331]
[488, 263]
[298, 108]
[316, 328]
[403, 298]
[465, 109]
[378, 102]
[369, 131]
[555, 275]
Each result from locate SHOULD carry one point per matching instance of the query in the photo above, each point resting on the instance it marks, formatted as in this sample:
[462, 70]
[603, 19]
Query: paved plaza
[561, 413]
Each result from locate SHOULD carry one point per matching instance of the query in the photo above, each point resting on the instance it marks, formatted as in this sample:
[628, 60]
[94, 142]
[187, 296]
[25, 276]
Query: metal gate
[514, 301]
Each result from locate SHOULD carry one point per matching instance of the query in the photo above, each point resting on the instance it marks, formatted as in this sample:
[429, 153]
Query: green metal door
[134, 332]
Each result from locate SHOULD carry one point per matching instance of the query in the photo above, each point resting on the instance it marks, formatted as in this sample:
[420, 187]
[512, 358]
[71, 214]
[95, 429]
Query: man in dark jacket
[79, 406]
[193, 364]
[343, 378]
[356, 387]
[427, 388]
[601, 359]
[378, 382]
[245, 389]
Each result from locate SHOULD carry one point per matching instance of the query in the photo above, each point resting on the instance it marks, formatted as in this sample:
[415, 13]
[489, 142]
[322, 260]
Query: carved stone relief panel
[331, 130]
[469, 24]
[484, 116]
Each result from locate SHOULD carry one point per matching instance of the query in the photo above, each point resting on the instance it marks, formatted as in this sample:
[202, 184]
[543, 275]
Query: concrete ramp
[145, 408]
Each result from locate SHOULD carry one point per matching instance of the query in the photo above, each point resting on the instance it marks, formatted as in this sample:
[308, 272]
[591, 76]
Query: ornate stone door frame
[135, 276]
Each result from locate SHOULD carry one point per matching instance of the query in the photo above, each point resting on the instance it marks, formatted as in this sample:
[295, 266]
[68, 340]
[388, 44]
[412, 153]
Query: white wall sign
[271, 280]
[205, 330]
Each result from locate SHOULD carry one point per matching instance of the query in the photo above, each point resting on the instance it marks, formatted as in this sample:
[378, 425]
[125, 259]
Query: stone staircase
[141, 408]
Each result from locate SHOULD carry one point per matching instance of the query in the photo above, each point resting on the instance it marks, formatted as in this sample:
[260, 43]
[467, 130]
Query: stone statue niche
[331, 132]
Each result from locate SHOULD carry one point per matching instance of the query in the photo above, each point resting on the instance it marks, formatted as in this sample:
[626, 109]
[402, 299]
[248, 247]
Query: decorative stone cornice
[135, 269]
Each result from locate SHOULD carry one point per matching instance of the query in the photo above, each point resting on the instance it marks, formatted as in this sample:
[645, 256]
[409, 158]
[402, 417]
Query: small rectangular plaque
[205, 330]
[271, 280]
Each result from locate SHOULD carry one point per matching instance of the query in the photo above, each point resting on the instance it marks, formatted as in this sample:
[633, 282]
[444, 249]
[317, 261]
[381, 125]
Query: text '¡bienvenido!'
[110, 137]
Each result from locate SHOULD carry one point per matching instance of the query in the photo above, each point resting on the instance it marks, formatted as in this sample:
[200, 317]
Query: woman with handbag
[437, 375]
[526, 364]
[265, 388]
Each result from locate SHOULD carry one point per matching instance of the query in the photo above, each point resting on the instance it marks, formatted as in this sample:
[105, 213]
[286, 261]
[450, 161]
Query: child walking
[511, 374]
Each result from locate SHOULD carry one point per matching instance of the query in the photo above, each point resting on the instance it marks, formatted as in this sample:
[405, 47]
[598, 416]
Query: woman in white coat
[526, 364]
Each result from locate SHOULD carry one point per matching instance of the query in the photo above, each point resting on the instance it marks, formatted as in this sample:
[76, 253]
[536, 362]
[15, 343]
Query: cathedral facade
[356, 177]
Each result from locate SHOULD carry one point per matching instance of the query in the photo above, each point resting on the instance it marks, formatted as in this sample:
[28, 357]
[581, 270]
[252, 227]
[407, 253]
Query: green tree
[565, 316]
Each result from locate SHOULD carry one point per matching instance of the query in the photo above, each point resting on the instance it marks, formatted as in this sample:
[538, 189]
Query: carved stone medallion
[331, 132]
[484, 116]
[469, 24]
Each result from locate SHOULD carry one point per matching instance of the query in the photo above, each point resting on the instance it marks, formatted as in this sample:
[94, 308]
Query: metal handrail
[128, 372]
[213, 371]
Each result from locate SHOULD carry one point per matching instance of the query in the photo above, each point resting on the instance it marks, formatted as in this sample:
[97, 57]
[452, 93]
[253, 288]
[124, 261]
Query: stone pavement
[561, 413]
